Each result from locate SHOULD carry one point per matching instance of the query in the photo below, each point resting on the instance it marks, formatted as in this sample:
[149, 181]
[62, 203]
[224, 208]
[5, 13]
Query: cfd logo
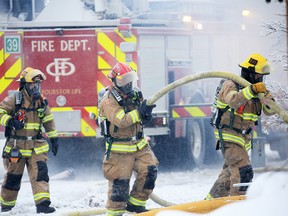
[62, 67]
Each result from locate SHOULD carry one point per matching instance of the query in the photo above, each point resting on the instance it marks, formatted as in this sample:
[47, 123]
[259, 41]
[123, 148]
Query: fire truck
[76, 57]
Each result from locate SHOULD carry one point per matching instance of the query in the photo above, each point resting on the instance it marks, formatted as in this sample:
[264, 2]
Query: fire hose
[183, 81]
[215, 74]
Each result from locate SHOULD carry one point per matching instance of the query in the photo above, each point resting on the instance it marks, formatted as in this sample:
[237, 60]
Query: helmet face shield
[259, 78]
[126, 89]
[126, 78]
[251, 76]
[34, 90]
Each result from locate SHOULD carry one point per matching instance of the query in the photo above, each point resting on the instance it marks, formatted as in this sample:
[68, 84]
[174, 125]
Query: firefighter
[241, 108]
[23, 114]
[123, 111]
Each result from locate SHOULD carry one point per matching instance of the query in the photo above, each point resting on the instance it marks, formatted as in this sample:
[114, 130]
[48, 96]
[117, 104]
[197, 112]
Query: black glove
[147, 119]
[13, 123]
[55, 145]
[145, 110]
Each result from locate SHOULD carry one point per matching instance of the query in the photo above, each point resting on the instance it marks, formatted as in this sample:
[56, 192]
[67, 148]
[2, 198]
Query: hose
[214, 74]
[160, 201]
[85, 213]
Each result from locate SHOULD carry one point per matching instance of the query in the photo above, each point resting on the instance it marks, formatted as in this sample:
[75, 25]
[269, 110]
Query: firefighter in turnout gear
[23, 114]
[123, 113]
[240, 111]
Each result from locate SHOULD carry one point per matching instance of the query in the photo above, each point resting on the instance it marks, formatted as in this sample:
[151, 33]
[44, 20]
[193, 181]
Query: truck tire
[195, 141]
[200, 139]
[200, 143]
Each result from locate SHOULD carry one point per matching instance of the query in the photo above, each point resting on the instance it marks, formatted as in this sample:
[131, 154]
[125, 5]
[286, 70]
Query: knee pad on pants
[120, 190]
[151, 177]
[246, 175]
[42, 171]
[13, 181]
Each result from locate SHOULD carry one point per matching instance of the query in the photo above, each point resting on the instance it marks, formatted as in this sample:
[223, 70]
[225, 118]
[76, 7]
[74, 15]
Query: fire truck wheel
[200, 143]
[200, 140]
[195, 141]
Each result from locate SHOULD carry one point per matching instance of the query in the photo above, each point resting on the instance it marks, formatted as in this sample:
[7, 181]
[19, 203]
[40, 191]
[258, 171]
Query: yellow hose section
[203, 206]
[214, 74]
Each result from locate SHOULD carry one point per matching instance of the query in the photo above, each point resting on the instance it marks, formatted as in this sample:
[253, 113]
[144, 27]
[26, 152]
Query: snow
[266, 196]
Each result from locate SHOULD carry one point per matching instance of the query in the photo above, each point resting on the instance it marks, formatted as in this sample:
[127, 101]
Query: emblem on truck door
[60, 67]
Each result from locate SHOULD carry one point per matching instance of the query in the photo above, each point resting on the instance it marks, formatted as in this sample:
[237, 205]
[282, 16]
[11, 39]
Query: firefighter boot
[134, 208]
[6, 208]
[43, 207]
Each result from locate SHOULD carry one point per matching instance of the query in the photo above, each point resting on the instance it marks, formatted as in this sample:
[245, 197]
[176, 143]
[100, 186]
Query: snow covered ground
[266, 196]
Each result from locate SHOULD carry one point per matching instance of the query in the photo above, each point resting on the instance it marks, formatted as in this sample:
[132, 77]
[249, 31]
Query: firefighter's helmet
[123, 76]
[30, 80]
[29, 75]
[256, 63]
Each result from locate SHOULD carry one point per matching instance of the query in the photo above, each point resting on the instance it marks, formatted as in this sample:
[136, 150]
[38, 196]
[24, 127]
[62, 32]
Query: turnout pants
[118, 170]
[38, 176]
[236, 169]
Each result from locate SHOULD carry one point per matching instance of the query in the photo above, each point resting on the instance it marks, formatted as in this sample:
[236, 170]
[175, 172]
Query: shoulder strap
[117, 96]
[18, 100]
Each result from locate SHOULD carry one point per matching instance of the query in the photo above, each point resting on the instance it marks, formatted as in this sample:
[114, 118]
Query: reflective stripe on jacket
[127, 147]
[28, 152]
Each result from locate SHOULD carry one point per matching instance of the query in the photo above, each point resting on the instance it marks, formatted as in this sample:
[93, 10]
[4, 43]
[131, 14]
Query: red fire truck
[76, 58]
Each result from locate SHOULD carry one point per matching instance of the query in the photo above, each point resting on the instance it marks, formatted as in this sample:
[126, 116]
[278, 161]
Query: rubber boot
[43, 207]
[6, 208]
[134, 208]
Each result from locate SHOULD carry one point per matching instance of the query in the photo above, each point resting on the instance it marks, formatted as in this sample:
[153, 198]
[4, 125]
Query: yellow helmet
[29, 75]
[256, 63]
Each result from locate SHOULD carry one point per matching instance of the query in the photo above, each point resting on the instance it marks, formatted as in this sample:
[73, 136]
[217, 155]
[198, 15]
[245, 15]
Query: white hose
[214, 74]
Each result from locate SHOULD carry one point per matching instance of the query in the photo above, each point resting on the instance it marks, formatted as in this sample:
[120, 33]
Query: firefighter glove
[145, 110]
[258, 88]
[147, 119]
[13, 123]
[55, 145]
